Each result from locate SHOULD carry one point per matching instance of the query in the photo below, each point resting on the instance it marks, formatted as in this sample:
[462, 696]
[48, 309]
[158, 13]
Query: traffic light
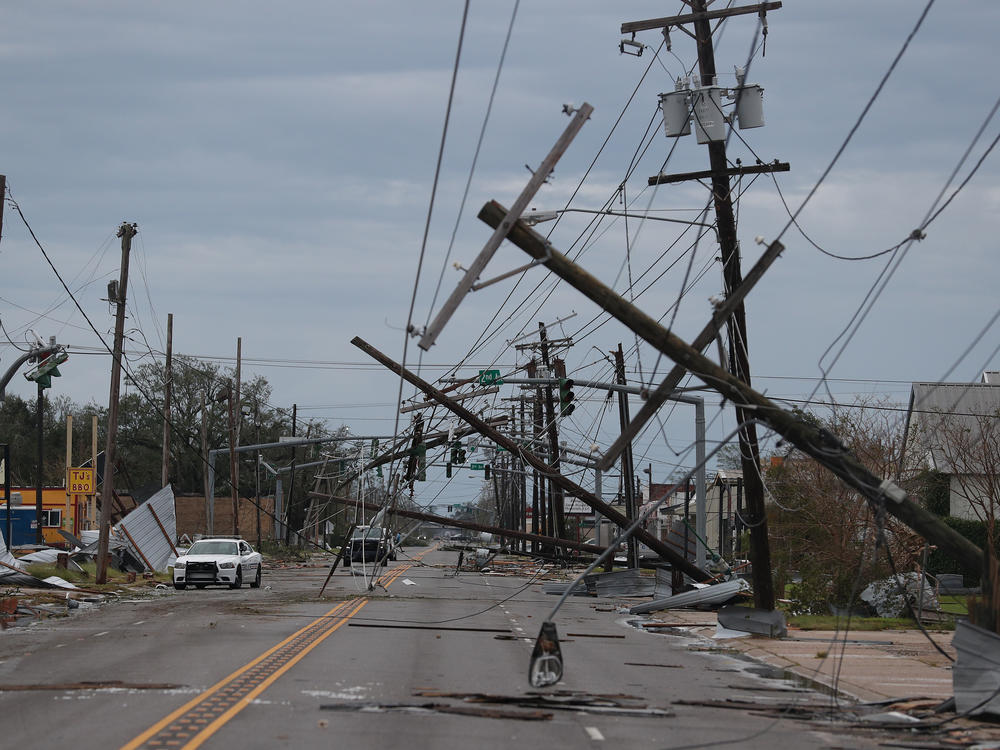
[422, 462]
[486, 471]
[47, 369]
[457, 452]
[447, 470]
[566, 405]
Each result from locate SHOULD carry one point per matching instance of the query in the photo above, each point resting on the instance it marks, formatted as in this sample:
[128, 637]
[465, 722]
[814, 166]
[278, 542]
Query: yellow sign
[80, 482]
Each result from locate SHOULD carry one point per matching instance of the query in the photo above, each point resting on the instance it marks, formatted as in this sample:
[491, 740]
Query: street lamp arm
[42, 351]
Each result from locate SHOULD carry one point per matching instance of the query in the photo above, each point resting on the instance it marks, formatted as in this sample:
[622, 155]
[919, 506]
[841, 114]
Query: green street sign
[490, 377]
[477, 467]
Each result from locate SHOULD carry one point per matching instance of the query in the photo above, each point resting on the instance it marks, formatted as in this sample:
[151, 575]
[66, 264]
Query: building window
[52, 518]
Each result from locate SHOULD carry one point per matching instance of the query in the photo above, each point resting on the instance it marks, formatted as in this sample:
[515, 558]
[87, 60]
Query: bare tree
[965, 447]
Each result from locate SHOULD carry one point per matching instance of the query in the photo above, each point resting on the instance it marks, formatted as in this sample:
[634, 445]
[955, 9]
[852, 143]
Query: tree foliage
[824, 533]
[140, 429]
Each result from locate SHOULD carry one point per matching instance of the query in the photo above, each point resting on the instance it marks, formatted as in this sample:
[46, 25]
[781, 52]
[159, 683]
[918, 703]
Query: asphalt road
[280, 667]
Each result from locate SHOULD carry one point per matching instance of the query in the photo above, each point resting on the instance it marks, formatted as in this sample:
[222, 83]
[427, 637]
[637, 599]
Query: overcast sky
[279, 159]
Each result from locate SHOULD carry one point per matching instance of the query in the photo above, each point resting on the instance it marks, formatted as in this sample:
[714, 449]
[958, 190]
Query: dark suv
[370, 544]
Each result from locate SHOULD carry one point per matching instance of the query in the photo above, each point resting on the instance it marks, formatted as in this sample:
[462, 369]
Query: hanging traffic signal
[47, 369]
[447, 470]
[486, 471]
[566, 405]
[422, 462]
[457, 452]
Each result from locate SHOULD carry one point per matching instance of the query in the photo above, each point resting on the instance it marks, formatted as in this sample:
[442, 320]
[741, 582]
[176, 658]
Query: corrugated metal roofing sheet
[147, 534]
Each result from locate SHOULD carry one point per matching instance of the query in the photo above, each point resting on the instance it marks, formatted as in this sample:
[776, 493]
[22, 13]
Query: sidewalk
[872, 666]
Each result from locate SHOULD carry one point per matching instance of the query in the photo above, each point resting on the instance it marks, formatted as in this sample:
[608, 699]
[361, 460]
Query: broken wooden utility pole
[814, 442]
[126, 231]
[568, 485]
[168, 386]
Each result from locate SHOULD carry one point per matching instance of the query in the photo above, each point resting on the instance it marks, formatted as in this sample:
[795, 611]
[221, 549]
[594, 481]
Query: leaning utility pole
[882, 494]
[168, 386]
[126, 231]
[739, 363]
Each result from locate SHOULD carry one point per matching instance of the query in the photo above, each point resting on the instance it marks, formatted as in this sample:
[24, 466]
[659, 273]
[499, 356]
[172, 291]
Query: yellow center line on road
[193, 723]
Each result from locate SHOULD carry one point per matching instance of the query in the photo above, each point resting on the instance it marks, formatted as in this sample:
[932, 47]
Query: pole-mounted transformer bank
[703, 104]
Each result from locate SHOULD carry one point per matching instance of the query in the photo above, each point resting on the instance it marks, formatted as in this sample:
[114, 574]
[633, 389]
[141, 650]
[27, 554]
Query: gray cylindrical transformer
[750, 106]
[709, 120]
[676, 114]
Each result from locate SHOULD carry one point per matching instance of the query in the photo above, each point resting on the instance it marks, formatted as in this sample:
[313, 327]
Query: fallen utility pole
[470, 525]
[568, 485]
[811, 440]
[708, 334]
[126, 231]
[462, 397]
[538, 178]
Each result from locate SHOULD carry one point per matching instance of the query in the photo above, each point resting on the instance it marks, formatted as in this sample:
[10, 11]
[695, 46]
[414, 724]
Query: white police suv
[226, 561]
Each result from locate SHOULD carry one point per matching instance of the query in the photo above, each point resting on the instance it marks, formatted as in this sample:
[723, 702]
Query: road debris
[563, 700]
[705, 596]
[441, 708]
[88, 685]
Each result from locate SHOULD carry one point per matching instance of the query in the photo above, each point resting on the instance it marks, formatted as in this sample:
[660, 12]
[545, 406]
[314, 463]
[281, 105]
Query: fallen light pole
[568, 485]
